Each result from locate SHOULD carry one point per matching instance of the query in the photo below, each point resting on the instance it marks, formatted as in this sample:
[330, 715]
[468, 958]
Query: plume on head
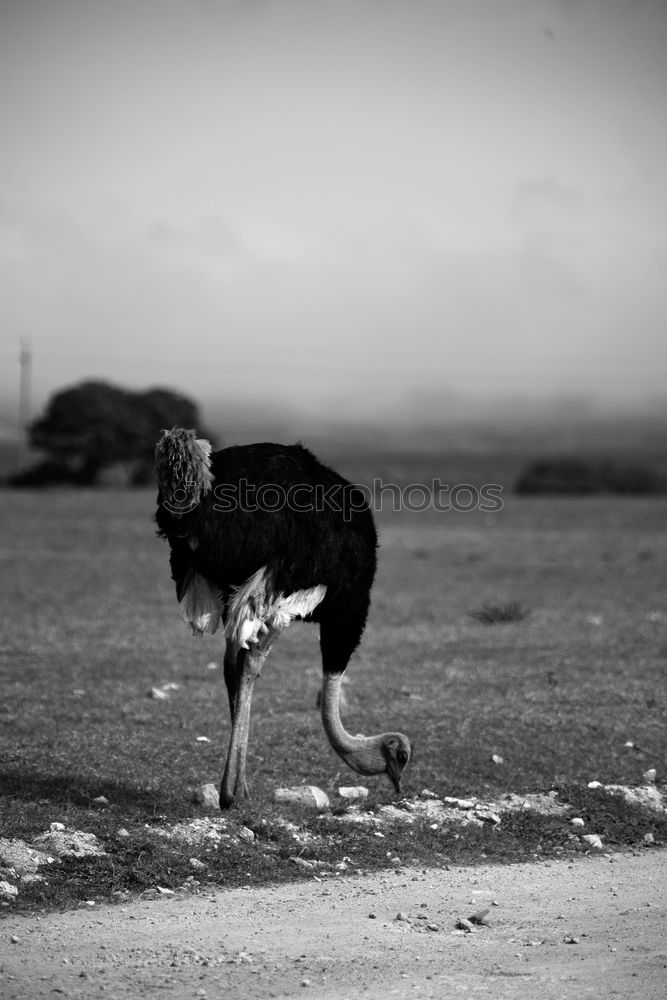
[183, 463]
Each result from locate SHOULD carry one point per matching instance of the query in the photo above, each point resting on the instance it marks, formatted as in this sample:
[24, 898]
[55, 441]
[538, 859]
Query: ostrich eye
[402, 758]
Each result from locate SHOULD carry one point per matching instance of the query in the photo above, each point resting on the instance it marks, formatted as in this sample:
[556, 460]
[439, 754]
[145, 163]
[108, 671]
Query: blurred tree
[93, 426]
[157, 410]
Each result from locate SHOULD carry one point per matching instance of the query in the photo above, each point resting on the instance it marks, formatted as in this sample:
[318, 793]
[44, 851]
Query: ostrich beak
[394, 773]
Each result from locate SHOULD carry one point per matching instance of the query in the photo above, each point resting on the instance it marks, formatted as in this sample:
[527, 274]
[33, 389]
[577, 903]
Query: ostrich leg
[233, 665]
[241, 672]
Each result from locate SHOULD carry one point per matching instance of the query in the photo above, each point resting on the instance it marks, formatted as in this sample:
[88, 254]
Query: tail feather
[255, 608]
[201, 604]
[247, 607]
[183, 463]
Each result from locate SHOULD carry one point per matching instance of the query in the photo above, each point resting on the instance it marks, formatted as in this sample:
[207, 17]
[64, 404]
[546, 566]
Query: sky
[355, 209]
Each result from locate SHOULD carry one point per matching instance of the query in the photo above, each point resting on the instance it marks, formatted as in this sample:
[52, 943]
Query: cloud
[621, 10]
[205, 244]
[547, 190]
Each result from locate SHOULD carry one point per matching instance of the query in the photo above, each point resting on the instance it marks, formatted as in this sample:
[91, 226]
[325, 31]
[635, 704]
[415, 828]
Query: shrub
[582, 476]
[499, 614]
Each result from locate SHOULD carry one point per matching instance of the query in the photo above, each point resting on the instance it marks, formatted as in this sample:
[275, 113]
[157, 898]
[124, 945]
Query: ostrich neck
[362, 753]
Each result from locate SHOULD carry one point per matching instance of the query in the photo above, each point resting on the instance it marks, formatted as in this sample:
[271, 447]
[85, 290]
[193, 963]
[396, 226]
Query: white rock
[202, 739]
[353, 792]
[21, 857]
[122, 832]
[243, 957]
[8, 891]
[161, 692]
[207, 796]
[646, 796]
[303, 863]
[35, 878]
[593, 839]
[577, 821]
[67, 843]
[487, 815]
[246, 834]
[463, 924]
[306, 795]
[497, 759]
[594, 784]
[649, 776]
[459, 803]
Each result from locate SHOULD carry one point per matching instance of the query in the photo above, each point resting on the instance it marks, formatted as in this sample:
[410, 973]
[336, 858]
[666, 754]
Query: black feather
[321, 533]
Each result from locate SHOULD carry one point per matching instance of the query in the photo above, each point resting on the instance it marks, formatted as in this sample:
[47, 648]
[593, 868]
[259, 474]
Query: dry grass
[90, 625]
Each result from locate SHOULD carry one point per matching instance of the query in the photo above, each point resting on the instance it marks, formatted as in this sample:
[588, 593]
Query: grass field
[90, 625]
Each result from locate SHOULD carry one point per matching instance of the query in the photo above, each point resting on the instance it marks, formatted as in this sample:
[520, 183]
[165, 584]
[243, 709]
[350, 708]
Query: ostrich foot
[228, 799]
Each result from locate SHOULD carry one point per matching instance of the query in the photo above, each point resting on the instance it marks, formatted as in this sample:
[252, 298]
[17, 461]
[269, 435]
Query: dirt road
[594, 927]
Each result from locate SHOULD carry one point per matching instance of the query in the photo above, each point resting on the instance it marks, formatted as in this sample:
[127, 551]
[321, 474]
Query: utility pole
[25, 383]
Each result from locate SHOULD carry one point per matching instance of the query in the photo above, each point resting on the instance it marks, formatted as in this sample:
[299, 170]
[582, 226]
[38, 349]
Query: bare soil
[557, 929]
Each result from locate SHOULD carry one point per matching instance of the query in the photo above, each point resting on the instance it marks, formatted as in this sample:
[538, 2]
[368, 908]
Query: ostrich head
[386, 753]
[396, 750]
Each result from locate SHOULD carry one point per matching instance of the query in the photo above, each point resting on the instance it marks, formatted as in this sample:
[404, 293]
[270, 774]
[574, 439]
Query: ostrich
[261, 535]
